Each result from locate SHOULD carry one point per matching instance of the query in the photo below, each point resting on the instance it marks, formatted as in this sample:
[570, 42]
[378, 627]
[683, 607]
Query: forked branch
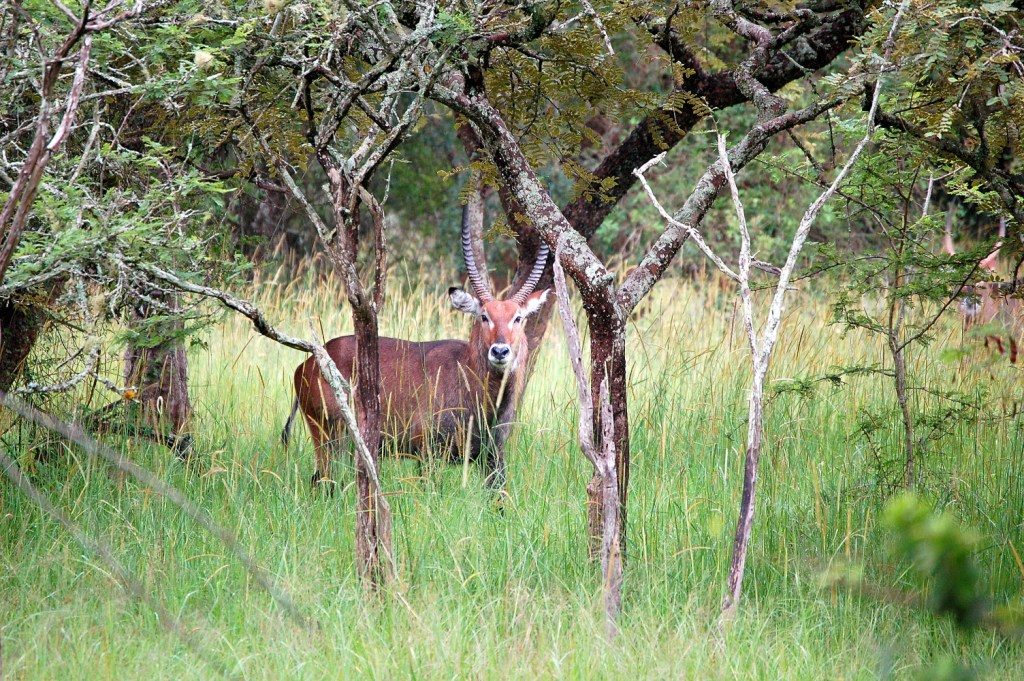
[602, 457]
[761, 341]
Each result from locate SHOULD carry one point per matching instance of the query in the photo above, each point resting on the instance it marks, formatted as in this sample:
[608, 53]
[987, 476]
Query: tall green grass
[512, 595]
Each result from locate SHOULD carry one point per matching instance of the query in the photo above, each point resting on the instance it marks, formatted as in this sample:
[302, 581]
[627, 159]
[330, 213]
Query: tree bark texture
[608, 359]
[744, 525]
[160, 374]
[373, 524]
[373, 518]
[21, 324]
[611, 548]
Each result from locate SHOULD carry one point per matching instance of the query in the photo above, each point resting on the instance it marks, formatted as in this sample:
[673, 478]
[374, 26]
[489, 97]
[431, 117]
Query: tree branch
[652, 267]
[662, 129]
[341, 388]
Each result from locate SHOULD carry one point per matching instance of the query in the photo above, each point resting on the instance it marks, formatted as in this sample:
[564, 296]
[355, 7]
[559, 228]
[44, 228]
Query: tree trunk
[373, 526]
[611, 546]
[21, 324]
[160, 375]
[747, 503]
[373, 520]
[900, 371]
[604, 503]
[20, 327]
[608, 358]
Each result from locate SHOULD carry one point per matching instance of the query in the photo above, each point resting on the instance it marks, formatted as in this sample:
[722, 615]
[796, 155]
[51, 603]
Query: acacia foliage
[122, 189]
[959, 101]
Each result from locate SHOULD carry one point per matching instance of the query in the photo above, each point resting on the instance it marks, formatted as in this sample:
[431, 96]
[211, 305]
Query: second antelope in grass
[987, 306]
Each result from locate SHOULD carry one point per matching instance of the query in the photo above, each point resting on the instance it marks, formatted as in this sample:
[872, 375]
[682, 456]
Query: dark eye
[484, 319]
[518, 319]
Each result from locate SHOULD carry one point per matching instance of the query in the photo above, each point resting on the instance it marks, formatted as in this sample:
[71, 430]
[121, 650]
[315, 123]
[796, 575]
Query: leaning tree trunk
[159, 374]
[745, 523]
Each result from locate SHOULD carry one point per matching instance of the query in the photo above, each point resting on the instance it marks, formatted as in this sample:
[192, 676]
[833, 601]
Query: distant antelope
[986, 304]
[438, 395]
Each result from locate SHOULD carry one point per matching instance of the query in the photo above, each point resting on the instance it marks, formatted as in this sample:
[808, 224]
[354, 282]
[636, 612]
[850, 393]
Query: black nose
[500, 351]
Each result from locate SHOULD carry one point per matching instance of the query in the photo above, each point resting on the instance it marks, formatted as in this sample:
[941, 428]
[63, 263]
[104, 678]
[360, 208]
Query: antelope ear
[464, 302]
[535, 301]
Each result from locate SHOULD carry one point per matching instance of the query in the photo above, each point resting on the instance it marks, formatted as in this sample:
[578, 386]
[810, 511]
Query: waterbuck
[987, 305]
[437, 396]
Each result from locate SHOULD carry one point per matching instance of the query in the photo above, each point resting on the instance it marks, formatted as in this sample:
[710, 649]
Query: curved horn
[478, 281]
[531, 281]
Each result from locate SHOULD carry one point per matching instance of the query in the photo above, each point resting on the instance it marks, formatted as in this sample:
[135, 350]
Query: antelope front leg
[495, 476]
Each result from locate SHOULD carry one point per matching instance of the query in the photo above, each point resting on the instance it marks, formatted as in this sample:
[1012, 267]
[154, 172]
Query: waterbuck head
[499, 329]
